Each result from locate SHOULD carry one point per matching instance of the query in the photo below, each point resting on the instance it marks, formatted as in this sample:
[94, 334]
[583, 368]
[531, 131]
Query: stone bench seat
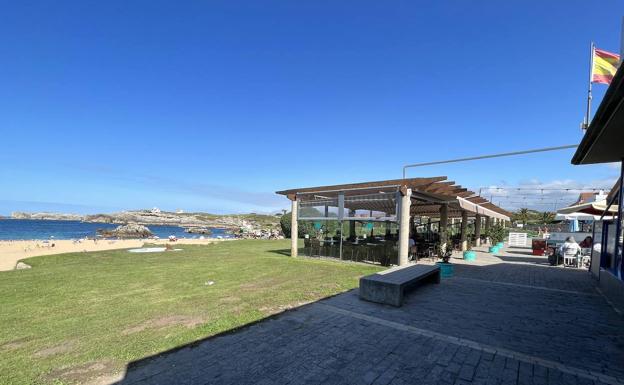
[389, 286]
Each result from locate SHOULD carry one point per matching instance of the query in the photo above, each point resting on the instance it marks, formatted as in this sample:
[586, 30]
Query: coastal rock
[131, 230]
[99, 218]
[198, 230]
[259, 234]
[244, 225]
[47, 216]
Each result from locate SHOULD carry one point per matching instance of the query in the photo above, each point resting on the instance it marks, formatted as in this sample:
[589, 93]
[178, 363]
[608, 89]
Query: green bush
[496, 233]
[305, 227]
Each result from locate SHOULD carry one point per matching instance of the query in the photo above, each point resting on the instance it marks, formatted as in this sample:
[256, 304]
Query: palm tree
[523, 216]
[547, 217]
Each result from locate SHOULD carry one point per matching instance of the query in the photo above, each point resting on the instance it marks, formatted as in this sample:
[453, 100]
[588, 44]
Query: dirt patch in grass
[163, 322]
[93, 373]
[261, 284]
[229, 299]
[64, 347]
[14, 344]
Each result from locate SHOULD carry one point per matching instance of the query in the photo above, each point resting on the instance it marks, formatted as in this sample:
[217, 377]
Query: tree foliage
[305, 227]
[528, 216]
[496, 233]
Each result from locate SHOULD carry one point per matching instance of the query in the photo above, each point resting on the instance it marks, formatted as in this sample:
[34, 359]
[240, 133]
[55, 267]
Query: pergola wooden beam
[477, 199]
[412, 183]
[435, 187]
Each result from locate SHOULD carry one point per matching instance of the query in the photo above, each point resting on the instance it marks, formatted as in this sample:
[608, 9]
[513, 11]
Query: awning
[603, 140]
[577, 216]
[477, 209]
[592, 208]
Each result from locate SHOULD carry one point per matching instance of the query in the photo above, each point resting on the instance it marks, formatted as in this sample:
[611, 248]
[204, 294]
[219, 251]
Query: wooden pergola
[398, 201]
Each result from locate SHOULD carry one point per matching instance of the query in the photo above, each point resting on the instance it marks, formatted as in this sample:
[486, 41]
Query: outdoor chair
[315, 247]
[570, 259]
[363, 253]
[347, 251]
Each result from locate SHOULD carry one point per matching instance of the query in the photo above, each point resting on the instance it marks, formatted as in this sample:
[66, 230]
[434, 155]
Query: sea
[19, 229]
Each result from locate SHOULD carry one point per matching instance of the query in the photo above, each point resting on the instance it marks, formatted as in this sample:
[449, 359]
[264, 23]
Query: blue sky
[213, 106]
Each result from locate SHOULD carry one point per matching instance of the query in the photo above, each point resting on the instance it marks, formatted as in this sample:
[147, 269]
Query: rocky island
[130, 231]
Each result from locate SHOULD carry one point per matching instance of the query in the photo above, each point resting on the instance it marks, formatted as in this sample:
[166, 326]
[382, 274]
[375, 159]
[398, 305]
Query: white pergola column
[294, 228]
[464, 230]
[443, 230]
[478, 230]
[404, 224]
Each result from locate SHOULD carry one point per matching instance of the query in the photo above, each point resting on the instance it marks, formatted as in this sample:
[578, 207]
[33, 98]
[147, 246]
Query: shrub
[305, 227]
[496, 233]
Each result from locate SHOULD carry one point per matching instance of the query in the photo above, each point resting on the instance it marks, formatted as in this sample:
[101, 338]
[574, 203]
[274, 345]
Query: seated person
[412, 246]
[570, 247]
[587, 243]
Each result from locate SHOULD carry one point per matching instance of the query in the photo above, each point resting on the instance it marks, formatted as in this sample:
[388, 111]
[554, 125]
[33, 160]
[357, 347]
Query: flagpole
[589, 88]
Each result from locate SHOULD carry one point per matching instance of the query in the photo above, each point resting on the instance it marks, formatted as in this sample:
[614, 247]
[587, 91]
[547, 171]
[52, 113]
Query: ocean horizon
[38, 229]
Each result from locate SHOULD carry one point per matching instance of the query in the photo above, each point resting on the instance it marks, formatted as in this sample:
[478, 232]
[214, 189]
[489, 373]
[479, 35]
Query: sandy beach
[13, 251]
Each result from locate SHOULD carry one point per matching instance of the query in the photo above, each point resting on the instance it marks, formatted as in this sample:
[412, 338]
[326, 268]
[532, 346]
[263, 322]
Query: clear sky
[213, 106]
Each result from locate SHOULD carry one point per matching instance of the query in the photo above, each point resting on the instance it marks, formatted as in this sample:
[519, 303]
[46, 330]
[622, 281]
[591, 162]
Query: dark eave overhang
[604, 140]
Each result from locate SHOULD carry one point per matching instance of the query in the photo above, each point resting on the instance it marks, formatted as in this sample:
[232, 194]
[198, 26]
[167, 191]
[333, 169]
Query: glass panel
[318, 208]
[596, 247]
[609, 252]
[379, 207]
[618, 260]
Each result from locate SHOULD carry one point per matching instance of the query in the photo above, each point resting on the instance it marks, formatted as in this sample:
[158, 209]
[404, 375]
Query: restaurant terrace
[424, 209]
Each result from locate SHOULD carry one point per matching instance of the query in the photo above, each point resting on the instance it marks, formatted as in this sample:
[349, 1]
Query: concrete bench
[390, 285]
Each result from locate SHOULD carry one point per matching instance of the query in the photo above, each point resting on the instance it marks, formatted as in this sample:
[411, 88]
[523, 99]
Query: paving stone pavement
[499, 322]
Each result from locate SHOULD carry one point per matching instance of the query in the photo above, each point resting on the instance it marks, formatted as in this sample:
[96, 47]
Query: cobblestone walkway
[507, 320]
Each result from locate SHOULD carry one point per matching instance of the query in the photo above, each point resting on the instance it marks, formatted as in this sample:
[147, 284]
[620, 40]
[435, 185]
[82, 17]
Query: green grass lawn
[74, 316]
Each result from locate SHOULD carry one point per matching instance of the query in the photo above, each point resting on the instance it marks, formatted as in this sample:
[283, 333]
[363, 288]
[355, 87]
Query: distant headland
[250, 221]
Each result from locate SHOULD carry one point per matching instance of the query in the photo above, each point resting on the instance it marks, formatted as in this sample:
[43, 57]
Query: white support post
[294, 228]
[404, 221]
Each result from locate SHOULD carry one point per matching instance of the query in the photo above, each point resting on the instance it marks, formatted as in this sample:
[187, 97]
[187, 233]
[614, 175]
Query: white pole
[294, 229]
[404, 219]
[589, 88]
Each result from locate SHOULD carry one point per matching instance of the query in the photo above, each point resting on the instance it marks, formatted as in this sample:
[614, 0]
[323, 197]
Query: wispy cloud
[542, 195]
[614, 165]
[263, 199]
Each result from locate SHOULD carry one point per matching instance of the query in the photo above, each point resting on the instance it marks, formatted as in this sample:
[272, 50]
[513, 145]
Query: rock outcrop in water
[198, 230]
[131, 230]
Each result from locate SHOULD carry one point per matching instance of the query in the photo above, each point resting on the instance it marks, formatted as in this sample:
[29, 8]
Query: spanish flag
[604, 67]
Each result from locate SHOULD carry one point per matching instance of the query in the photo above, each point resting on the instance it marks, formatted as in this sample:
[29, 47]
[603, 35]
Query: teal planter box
[493, 249]
[446, 269]
[470, 255]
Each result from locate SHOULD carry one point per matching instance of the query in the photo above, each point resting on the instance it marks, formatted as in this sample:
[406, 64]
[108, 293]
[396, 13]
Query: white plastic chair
[570, 259]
